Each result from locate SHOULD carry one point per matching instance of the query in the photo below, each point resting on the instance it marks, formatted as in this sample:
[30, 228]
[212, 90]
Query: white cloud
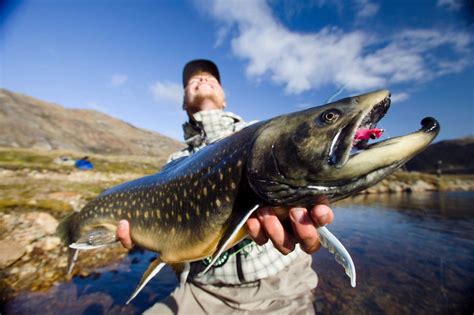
[166, 91]
[450, 5]
[366, 9]
[358, 60]
[399, 97]
[118, 79]
[221, 36]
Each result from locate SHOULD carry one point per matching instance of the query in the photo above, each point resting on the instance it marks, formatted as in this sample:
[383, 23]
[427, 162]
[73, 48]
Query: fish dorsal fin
[330, 241]
[152, 271]
[233, 234]
[98, 237]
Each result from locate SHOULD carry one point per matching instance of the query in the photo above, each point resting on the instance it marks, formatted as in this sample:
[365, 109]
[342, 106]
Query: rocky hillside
[451, 156]
[26, 122]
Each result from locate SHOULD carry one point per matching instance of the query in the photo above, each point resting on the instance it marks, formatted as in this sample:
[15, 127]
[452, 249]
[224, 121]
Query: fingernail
[298, 215]
[121, 225]
[322, 214]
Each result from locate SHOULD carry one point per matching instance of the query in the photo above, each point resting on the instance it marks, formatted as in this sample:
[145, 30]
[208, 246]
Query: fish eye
[330, 116]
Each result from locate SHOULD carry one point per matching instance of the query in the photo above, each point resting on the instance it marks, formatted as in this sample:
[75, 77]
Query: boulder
[10, 251]
[420, 185]
[49, 243]
[44, 221]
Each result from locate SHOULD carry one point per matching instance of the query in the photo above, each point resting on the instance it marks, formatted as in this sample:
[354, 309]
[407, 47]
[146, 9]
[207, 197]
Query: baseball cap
[200, 65]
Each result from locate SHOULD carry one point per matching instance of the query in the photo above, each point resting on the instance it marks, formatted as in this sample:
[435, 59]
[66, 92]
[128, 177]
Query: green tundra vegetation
[18, 159]
[31, 180]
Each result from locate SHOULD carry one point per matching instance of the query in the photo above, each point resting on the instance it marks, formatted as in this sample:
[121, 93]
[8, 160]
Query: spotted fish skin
[186, 205]
[196, 206]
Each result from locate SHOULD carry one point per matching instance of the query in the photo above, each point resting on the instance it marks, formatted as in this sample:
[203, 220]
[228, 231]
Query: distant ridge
[455, 156]
[26, 122]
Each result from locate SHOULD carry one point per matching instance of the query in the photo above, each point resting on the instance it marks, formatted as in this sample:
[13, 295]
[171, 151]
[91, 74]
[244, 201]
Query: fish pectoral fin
[95, 238]
[152, 271]
[334, 246]
[233, 234]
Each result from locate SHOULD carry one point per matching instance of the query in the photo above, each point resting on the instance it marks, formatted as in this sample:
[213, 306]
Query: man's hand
[123, 234]
[265, 225]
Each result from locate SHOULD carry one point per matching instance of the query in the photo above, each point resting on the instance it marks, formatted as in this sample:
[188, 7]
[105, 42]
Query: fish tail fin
[71, 234]
[67, 228]
[66, 231]
[97, 237]
[152, 271]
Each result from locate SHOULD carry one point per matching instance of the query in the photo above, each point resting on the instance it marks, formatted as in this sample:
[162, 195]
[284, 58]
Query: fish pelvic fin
[234, 233]
[334, 246]
[152, 271]
[71, 260]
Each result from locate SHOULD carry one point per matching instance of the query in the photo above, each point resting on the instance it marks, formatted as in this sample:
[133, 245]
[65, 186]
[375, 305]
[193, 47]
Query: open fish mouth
[328, 160]
[428, 125]
[386, 154]
[370, 121]
[345, 140]
[348, 153]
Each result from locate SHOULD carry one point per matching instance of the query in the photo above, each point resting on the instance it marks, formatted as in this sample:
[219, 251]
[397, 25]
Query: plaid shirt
[246, 262]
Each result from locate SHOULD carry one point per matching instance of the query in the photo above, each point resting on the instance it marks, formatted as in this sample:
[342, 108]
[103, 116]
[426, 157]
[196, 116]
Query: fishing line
[335, 94]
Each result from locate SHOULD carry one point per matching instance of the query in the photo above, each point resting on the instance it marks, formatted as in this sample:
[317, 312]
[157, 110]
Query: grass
[31, 159]
[32, 179]
[57, 208]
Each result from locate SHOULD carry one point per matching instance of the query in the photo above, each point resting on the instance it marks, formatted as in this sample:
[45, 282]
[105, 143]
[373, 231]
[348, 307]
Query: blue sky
[125, 58]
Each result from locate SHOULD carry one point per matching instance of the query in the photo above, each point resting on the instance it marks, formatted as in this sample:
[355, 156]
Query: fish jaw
[309, 159]
[388, 153]
[376, 162]
[369, 108]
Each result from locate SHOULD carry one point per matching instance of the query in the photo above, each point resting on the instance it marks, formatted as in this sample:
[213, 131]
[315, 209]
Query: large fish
[195, 207]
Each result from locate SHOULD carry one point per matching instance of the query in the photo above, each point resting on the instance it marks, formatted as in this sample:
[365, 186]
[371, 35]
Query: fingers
[322, 215]
[265, 225]
[123, 234]
[275, 231]
[255, 230]
[304, 230]
[305, 224]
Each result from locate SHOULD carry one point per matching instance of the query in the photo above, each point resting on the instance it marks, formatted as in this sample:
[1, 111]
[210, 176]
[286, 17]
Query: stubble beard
[198, 100]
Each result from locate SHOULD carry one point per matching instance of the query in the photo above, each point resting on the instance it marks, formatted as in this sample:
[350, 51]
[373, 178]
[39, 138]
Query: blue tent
[84, 164]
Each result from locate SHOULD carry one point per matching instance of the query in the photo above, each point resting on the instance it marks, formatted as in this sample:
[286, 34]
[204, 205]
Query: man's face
[203, 92]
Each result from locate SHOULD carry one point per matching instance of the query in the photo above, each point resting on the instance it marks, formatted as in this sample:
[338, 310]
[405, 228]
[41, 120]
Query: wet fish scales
[161, 217]
[196, 206]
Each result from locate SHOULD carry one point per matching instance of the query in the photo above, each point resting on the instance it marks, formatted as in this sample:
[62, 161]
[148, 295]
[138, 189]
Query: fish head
[299, 157]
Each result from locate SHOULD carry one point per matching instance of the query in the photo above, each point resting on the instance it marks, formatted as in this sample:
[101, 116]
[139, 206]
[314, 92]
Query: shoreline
[33, 201]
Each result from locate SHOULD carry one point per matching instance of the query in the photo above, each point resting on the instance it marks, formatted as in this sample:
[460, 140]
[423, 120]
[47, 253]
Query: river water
[414, 254]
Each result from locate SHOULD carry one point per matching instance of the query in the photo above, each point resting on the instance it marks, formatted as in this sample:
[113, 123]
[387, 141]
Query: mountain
[451, 156]
[26, 122]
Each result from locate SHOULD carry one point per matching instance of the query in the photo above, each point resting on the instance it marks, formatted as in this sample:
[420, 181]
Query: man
[260, 276]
